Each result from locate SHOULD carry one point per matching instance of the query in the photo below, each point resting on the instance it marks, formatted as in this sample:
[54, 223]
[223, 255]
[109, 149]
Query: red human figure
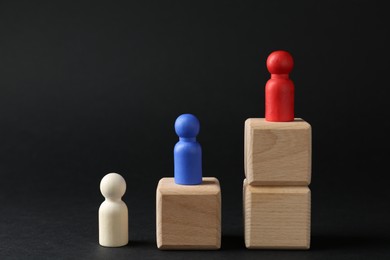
[279, 90]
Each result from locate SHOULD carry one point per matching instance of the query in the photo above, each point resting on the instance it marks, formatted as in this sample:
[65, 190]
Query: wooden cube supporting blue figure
[187, 152]
[188, 206]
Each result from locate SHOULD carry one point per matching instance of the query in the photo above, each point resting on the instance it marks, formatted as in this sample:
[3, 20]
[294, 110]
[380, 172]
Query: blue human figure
[187, 152]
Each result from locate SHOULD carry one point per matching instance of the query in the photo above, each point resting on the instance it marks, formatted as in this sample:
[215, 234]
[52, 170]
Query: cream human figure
[113, 213]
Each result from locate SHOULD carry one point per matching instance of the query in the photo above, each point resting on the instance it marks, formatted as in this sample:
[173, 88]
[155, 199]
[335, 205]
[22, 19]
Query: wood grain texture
[277, 153]
[188, 216]
[276, 217]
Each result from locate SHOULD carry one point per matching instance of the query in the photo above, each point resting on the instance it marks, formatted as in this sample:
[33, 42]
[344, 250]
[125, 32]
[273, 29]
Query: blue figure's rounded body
[187, 152]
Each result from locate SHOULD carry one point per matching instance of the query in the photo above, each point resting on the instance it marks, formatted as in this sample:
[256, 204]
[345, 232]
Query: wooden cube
[276, 217]
[277, 153]
[188, 216]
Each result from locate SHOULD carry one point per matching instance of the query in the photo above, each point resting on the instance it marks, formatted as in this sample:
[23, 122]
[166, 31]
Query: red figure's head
[280, 62]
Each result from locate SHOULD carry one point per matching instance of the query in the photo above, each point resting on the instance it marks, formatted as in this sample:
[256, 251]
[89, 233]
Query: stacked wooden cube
[276, 193]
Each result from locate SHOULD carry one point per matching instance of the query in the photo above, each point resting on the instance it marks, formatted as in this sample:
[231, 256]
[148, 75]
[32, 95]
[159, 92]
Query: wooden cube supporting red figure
[277, 153]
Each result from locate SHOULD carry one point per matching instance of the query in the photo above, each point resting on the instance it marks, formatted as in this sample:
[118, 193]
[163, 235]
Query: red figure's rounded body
[279, 90]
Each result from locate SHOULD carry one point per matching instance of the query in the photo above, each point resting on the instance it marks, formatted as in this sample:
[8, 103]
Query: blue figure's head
[187, 126]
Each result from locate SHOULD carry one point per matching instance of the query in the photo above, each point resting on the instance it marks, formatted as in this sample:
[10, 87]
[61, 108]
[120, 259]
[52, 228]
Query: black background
[88, 88]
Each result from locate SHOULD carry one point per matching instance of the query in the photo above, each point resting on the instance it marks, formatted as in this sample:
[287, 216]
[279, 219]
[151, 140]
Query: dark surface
[91, 88]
